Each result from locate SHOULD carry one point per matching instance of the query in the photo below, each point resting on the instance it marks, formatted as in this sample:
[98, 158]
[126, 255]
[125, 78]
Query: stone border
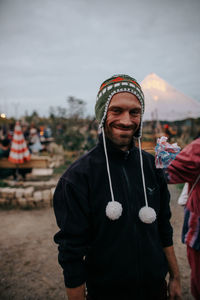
[26, 197]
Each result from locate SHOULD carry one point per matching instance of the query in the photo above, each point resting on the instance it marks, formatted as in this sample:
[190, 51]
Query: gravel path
[28, 255]
[180, 249]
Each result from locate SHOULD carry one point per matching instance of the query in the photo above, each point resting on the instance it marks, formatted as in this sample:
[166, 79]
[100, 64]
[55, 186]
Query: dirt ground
[28, 255]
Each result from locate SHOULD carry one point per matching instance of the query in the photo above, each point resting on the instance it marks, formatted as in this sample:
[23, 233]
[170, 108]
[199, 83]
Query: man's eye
[116, 110]
[135, 112]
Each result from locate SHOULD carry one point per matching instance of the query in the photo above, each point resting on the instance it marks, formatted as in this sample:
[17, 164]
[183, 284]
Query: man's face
[123, 119]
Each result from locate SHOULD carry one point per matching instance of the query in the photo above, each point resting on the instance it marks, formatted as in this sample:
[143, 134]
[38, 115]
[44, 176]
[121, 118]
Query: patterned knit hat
[110, 87]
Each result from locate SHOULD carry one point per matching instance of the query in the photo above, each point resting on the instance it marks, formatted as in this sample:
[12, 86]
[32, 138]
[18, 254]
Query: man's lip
[123, 128]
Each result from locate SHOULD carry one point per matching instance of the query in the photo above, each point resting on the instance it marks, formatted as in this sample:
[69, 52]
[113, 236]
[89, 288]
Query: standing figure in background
[168, 132]
[35, 144]
[4, 148]
[4, 152]
[186, 168]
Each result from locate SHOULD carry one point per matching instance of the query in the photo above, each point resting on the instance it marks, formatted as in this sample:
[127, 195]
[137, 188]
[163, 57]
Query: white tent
[165, 103]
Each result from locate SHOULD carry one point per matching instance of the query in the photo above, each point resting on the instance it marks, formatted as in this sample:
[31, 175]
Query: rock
[3, 201]
[19, 193]
[37, 196]
[28, 192]
[4, 192]
[22, 202]
[46, 195]
[51, 182]
[11, 193]
[34, 183]
[26, 196]
[30, 202]
[42, 172]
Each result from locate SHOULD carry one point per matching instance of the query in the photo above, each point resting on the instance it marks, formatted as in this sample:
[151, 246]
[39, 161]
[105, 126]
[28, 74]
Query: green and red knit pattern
[110, 87]
[118, 79]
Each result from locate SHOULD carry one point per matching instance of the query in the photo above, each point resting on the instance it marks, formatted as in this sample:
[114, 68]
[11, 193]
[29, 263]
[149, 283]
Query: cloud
[52, 49]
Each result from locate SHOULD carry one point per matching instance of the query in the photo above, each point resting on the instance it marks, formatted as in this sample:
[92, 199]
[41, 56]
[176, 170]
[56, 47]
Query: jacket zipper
[138, 260]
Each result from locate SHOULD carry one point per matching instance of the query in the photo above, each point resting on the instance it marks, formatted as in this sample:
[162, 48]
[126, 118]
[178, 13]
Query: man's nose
[126, 119]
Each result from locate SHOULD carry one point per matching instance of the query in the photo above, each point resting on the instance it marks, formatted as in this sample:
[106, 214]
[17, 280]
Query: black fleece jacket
[105, 253]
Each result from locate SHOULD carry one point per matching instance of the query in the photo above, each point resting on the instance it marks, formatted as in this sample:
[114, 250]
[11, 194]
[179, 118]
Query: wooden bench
[35, 162]
[150, 150]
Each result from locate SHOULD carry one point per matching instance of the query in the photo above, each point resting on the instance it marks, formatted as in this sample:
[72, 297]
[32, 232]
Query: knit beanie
[110, 87]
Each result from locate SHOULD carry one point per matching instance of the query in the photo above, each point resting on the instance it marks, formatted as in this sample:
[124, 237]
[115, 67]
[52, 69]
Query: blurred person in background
[4, 153]
[47, 132]
[186, 168]
[35, 145]
[11, 131]
[4, 148]
[167, 131]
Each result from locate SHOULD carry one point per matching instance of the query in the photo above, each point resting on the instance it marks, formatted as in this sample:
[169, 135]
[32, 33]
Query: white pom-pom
[147, 214]
[113, 210]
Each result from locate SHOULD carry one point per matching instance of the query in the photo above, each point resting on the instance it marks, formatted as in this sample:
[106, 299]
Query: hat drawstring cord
[142, 170]
[113, 208]
[107, 164]
[146, 214]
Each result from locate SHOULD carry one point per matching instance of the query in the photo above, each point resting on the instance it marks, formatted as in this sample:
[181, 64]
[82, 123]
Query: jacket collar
[114, 151]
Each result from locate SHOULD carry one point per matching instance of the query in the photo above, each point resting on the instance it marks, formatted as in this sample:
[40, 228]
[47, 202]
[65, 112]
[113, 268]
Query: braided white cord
[142, 170]
[107, 164]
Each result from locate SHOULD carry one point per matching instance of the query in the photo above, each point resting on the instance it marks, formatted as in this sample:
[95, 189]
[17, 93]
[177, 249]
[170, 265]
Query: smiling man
[123, 119]
[112, 208]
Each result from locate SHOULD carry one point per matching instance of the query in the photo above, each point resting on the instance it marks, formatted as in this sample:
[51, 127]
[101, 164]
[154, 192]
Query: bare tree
[76, 108]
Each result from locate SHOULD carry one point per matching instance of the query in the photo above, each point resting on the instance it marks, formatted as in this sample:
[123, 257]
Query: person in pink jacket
[186, 168]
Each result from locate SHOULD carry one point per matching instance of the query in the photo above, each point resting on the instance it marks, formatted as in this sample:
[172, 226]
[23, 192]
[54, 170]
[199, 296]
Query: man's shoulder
[85, 159]
[83, 163]
[149, 159]
[148, 156]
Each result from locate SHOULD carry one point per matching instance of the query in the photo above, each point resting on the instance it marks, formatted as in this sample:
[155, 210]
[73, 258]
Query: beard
[121, 135]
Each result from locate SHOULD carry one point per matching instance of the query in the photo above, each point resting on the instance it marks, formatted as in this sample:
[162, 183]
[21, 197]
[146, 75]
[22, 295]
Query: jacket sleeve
[72, 214]
[164, 226]
[186, 166]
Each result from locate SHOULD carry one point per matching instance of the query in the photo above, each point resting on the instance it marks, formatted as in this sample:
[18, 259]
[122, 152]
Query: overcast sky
[50, 50]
